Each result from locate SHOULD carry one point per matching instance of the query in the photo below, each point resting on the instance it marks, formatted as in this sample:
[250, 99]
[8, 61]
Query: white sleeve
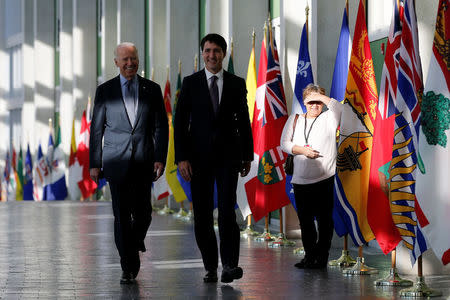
[335, 108]
[286, 136]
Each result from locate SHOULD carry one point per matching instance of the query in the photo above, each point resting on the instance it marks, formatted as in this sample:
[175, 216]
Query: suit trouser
[315, 201]
[202, 185]
[131, 202]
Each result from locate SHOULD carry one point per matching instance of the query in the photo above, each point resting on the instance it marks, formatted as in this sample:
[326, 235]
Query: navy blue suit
[216, 146]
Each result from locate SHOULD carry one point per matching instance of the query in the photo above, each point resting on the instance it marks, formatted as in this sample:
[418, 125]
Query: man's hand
[158, 170]
[185, 170]
[95, 173]
[245, 168]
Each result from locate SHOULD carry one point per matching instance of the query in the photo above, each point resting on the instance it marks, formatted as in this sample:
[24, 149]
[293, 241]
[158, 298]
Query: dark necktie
[130, 101]
[214, 92]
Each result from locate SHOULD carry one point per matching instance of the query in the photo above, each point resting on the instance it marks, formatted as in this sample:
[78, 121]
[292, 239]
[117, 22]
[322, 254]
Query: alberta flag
[55, 188]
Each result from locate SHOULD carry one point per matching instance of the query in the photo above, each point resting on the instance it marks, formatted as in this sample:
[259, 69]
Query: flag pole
[360, 268]
[420, 288]
[393, 279]
[248, 231]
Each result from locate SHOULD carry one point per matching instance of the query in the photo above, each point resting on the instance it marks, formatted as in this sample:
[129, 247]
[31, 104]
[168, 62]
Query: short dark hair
[216, 39]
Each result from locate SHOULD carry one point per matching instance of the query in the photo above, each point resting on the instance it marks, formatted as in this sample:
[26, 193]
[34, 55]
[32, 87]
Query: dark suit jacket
[147, 140]
[200, 136]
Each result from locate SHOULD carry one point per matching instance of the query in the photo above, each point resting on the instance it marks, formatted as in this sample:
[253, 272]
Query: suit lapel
[142, 92]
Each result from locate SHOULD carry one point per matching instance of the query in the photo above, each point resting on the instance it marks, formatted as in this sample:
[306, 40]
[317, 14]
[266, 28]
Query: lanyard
[309, 131]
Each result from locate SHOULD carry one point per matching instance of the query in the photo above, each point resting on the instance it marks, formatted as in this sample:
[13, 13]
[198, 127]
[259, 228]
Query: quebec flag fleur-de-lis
[302, 68]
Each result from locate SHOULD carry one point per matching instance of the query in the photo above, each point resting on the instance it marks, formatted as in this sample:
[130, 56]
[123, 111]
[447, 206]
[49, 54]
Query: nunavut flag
[433, 190]
[266, 191]
[355, 141]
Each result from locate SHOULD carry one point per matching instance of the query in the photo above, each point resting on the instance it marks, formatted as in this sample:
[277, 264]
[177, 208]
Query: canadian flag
[86, 184]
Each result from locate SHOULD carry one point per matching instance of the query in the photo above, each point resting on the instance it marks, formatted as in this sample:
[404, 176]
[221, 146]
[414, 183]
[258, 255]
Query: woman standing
[313, 144]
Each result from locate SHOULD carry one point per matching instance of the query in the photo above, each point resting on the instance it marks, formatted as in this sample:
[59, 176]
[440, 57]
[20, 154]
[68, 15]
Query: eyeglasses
[314, 102]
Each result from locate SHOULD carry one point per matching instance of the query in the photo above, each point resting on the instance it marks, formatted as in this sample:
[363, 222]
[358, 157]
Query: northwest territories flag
[56, 188]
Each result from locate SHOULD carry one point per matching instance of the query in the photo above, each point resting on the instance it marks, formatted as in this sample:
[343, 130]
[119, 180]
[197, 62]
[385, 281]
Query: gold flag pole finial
[152, 76]
[168, 71]
[179, 66]
[253, 38]
[307, 19]
[196, 63]
[143, 73]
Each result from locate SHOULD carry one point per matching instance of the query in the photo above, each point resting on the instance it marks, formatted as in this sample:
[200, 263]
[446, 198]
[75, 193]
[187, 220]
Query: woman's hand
[306, 151]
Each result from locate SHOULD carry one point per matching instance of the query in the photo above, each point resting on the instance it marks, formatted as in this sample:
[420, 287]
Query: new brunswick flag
[355, 141]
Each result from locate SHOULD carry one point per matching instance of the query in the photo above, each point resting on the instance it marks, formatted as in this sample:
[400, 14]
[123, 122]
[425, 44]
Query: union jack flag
[274, 106]
[388, 87]
[407, 120]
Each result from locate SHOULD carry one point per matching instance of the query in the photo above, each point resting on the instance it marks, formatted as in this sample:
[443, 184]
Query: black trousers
[202, 185]
[315, 201]
[131, 203]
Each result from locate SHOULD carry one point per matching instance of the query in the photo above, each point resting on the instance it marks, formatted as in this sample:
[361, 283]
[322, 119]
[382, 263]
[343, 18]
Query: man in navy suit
[213, 143]
[130, 117]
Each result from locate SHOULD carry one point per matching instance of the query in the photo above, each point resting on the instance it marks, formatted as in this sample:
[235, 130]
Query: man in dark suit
[129, 115]
[213, 143]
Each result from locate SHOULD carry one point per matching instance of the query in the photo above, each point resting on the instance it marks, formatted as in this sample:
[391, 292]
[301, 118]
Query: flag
[40, 175]
[266, 191]
[19, 176]
[230, 60]
[6, 178]
[161, 187]
[433, 190]
[86, 184]
[173, 180]
[404, 162]
[55, 186]
[355, 139]
[251, 91]
[378, 205]
[337, 91]
[28, 178]
[75, 170]
[304, 75]
[302, 79]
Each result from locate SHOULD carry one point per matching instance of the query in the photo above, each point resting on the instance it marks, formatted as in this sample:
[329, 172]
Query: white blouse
[322, 138]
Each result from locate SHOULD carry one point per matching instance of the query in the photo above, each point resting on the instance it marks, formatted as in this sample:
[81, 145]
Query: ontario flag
[378, 205]
[266, 191]
[87, 185]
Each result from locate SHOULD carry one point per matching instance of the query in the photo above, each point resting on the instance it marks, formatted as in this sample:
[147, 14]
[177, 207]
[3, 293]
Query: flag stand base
[360, 268]
[265, 237]
[299, 251]
[188, 217]
[393, 279]
[344, 261]
[420, 289]
[248, 232]
[165, 211]
[281, 241]
[180, 214]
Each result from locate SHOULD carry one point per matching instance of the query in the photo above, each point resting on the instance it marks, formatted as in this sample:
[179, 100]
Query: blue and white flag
[304, 74]
[337, 92]
[28, 178]
[56, 188]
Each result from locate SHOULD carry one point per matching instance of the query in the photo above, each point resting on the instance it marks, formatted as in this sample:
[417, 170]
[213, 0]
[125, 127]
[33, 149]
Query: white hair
[125, 44]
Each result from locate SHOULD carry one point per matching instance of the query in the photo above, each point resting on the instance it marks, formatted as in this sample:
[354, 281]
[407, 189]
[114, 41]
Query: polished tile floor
[65, 250]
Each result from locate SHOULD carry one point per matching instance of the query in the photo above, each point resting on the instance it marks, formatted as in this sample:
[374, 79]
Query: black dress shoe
[141, 246]
[230, 274]
[127, 278]
[305, 263]
[211, 276]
